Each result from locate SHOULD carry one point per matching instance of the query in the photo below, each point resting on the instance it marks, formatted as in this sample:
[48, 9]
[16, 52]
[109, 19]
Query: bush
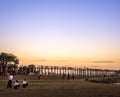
[104, 80]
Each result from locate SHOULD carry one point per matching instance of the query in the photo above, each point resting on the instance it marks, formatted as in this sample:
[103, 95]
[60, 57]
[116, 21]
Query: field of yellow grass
[59, 88]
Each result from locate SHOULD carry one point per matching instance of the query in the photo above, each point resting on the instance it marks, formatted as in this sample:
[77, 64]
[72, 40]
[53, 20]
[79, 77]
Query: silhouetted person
[64, 76]
[10, 78]
[39, 77]
[104, 75]
[68, 76]
[73, 76]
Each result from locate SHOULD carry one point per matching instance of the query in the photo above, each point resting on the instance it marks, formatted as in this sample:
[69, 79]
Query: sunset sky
[62, 32]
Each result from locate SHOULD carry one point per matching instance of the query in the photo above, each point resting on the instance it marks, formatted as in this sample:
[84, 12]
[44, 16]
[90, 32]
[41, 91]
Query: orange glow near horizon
[33, 57]
[73, 63]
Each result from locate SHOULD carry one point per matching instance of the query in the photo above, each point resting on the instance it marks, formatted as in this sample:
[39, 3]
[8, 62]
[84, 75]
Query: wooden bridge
[57, 70]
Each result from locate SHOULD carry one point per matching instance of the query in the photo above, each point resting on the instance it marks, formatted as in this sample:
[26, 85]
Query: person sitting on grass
[24, 83]
[16, 85]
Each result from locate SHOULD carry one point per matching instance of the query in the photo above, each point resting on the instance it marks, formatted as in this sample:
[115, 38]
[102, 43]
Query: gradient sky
[62, 32]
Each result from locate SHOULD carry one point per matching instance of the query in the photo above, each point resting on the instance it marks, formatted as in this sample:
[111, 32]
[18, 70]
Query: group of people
[16, 84]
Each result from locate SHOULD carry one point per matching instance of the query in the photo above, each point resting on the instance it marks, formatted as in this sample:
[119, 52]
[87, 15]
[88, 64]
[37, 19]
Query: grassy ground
[59, 88]
[104, 80]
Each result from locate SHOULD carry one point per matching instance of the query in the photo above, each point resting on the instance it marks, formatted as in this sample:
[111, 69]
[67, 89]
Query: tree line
[8, 62]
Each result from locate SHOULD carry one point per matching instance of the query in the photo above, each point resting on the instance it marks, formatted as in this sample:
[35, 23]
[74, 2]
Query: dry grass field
[59, 88]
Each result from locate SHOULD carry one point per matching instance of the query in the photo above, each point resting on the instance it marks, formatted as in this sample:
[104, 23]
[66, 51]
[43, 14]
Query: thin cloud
[103, 62]
[95, 66]
[41, 60]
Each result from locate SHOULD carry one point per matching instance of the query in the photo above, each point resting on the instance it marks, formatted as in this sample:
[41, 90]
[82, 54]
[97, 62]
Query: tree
[5, 59]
